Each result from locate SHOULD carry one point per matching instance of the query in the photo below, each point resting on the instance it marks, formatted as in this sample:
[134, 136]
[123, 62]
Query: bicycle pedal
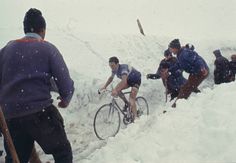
[128, 119]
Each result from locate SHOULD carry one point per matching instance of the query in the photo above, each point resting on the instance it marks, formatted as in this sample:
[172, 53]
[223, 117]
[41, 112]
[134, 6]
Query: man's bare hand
[204, 72]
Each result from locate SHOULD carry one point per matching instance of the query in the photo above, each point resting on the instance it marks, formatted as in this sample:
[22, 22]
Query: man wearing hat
[189, 61]
[26, 67]
[174, 81]
[222, 73]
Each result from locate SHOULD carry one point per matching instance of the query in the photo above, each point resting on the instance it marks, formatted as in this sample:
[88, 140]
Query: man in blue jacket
[26, 67]
[175, 80]
[189, 61]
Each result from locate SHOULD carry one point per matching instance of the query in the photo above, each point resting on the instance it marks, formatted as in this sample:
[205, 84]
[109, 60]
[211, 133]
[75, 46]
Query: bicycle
[107, 119]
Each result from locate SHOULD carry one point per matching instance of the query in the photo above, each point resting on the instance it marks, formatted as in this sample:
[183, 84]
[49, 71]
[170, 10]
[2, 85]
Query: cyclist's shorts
[134, 79]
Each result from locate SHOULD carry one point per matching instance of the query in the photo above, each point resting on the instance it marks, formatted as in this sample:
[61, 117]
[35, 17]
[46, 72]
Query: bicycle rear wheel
[142, 106]
[106, 121]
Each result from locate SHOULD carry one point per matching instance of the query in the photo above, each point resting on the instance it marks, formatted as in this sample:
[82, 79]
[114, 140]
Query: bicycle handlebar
[107, 90]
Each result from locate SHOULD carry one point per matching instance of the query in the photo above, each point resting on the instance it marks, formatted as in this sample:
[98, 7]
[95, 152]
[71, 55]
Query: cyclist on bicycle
[129, 76]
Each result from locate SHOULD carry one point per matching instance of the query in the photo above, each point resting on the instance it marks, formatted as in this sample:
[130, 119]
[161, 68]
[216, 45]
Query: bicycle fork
[111, 112]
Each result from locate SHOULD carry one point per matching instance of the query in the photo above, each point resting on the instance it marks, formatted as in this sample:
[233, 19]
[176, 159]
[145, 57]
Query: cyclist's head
[114, 59]
[114, 63]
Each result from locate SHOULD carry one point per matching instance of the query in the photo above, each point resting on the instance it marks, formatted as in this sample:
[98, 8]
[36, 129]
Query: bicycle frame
[124, 99]
[114, 103]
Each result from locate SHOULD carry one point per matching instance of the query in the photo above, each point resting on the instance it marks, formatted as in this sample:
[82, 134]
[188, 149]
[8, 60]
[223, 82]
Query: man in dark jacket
[222, 73]
[233, 67]
[26, 67]
[189, 61]
[174, 81]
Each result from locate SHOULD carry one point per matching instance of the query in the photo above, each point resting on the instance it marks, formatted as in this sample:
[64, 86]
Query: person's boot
[196, 90]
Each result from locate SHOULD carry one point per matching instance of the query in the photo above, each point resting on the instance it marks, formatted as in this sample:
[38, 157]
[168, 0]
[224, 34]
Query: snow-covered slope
[201, 129]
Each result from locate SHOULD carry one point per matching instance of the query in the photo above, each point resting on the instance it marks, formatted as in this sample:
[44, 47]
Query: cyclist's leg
[134, 81]
[122, 96]
[133, 95]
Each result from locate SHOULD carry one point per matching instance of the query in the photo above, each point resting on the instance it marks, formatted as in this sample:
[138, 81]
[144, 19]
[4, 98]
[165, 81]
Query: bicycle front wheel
[106, 121]
[142, 106]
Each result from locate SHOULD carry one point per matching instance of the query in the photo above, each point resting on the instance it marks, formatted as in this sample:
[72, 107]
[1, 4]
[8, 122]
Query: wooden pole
[140, 27]
[7, 137]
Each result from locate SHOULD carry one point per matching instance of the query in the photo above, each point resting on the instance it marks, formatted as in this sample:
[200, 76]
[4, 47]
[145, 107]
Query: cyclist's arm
[109, 80]
[122, 84]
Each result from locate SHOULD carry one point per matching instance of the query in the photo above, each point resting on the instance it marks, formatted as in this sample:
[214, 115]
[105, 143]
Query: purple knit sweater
[26, 67]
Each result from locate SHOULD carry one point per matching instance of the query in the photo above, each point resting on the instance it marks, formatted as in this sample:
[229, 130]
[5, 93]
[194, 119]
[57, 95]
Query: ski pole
[8, 138]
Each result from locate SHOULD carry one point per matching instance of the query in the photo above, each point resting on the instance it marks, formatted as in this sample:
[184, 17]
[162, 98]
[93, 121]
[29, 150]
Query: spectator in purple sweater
[26, 67]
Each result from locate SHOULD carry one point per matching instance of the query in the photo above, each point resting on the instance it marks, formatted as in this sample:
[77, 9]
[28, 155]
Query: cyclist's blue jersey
[124, 69]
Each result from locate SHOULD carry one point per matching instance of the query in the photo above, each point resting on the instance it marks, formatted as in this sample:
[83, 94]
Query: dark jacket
[222, 73]
[175, 80]
[26, 67]
[233, 69]
[189, 61]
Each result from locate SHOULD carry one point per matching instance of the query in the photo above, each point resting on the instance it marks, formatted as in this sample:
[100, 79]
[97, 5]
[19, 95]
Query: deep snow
[201, 129]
